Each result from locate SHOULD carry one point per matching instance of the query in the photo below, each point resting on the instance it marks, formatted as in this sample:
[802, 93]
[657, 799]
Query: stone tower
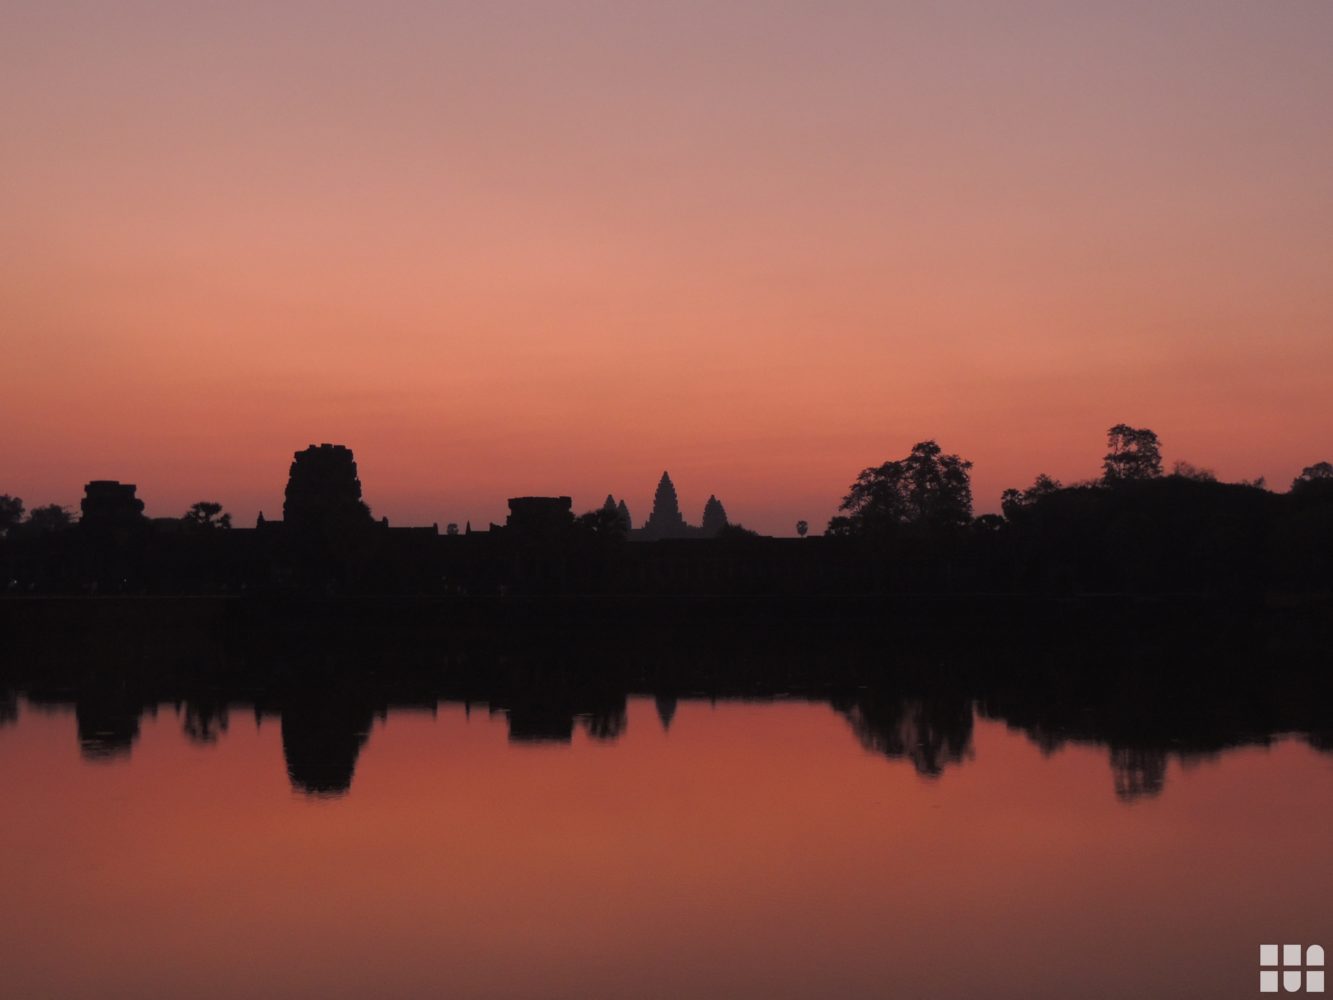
[109, 504]
[619, 511]
[715, 517]
[323, 491]
[665, 520]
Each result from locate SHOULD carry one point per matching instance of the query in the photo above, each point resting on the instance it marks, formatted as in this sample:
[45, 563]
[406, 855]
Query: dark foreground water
[901, 797]
[892, 845]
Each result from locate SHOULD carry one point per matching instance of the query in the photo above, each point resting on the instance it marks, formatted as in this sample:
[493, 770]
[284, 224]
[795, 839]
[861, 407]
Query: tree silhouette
[1133, 453]
[1188, 470]
[604, 522]
[50, 518]
[736, 532]
[927, 489]
[207, 515]
[1184, 533]
[451, 528]
[1014, 502]
[11, 513]
[204, 721]
[1320, 472]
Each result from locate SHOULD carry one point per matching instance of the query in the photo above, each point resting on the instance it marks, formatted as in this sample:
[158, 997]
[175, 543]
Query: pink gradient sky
[512, 248]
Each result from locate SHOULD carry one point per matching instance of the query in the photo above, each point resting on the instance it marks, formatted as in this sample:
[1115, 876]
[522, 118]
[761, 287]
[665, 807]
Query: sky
[511, 248]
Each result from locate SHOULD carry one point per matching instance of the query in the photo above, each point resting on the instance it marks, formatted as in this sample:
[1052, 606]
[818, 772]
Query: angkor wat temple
[1167, 536]
[328, 541]
[666, 520]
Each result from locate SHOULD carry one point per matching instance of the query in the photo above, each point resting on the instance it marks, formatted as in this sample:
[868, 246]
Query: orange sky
[556, 248]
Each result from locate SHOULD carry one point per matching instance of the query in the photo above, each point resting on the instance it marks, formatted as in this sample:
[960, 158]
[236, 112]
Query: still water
[693, 848]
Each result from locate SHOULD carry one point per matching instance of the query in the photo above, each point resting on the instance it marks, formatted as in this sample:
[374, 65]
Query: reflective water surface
[900, 843]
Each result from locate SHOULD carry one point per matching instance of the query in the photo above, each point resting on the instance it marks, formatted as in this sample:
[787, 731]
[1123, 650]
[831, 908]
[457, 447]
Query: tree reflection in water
[1152, 696]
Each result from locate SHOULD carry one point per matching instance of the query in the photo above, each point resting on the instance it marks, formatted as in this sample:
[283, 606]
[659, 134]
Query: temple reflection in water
[327, 700]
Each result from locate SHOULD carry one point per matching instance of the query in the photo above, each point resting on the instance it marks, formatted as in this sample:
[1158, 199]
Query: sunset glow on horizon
[533, 248]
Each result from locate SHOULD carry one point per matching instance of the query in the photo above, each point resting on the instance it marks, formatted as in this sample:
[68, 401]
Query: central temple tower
[323, 491]
[665, 520]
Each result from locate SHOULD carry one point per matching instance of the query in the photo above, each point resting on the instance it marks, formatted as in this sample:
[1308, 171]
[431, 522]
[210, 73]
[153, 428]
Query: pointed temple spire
[665, 520]
[715, 517]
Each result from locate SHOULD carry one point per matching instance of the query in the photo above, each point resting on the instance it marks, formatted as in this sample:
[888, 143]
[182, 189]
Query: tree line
[1135, 528]
[905, 525]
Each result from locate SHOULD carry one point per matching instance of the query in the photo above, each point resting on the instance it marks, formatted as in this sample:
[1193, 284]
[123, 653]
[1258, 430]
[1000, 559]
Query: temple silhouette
[323, 492]
[908, 683]
[666, 520]
[327, 541]
[1172, 587]
[908, 529]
